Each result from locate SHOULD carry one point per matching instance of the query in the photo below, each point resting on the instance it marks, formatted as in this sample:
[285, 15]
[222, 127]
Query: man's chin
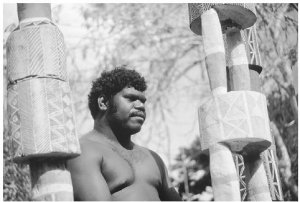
[132, 129]
[135, 130]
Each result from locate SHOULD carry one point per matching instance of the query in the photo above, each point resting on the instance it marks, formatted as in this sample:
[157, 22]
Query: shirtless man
[111, 166]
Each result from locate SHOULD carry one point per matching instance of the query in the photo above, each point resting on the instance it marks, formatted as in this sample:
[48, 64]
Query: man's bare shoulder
[86, 173]
[93, 144]
[86, 145]
[92, 151]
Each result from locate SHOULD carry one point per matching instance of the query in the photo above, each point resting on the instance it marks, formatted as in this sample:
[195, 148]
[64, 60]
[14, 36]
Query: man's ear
[102, 104]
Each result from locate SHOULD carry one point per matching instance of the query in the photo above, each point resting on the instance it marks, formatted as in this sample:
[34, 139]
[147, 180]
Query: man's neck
[104, 129]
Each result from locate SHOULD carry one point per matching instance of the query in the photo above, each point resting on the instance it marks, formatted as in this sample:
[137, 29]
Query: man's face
[126, 111]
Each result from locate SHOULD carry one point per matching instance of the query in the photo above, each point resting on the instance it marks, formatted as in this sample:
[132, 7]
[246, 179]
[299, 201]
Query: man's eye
[131, 98]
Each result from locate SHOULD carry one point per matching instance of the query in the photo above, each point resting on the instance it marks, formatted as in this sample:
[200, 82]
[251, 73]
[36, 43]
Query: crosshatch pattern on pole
[36, 50]
[238, 115]
[41, 118]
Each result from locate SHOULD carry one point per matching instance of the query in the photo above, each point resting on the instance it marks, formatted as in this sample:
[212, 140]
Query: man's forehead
[132, 90]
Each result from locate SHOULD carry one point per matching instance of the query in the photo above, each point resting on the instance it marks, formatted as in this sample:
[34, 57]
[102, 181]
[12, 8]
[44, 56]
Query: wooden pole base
[51, 181]
[225, 180]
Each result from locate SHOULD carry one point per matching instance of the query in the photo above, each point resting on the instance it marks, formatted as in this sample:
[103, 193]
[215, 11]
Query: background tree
[278, 30]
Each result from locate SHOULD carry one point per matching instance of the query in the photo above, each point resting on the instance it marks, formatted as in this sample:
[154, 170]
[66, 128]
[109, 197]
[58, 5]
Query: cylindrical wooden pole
[230, 121]
[225, 180]
[214, 51]
[33, 10]
[41, 118]
[238, 62]
[50, 180]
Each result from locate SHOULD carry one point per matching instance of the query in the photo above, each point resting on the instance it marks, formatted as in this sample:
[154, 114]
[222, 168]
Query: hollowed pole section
[50, 179]
[225, 181]
[256, 179]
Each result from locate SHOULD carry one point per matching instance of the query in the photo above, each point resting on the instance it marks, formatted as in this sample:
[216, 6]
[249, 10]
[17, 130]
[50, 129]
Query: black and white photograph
[149, 101]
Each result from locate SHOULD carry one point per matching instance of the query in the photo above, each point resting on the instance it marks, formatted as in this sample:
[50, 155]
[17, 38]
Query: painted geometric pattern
[14, 122]
[272, 175]
[34, 125]
[36, 50]
[34, 22]
[41, 118]
[235, 115]
[17, 56]
[61, 117]
[240, 167]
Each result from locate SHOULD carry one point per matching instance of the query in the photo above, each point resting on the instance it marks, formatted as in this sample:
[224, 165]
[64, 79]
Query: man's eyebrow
[139, 96]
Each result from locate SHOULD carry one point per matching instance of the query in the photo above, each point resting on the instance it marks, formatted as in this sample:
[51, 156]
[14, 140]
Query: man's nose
[139, 105]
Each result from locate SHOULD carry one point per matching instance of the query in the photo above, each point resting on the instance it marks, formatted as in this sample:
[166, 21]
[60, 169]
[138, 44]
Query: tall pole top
[34, 10]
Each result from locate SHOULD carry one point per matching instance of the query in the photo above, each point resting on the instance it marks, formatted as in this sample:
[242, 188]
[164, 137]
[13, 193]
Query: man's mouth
[138, 114]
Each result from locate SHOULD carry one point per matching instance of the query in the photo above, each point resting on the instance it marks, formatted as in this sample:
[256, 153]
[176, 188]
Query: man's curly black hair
[112, 82]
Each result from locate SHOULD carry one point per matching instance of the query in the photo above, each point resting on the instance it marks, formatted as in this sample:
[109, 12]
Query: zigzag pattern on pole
[14, 126]
[40, 109]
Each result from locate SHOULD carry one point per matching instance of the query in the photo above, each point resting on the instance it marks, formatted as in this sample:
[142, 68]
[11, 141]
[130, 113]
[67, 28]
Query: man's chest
[122, 169]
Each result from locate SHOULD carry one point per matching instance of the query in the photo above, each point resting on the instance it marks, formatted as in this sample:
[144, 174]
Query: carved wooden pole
[41, 119]
[237, 120]
[224, 179]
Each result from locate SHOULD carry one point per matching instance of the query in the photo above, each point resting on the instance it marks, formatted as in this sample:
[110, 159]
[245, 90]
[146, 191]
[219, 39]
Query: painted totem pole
[41, 117]
[234, 125]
